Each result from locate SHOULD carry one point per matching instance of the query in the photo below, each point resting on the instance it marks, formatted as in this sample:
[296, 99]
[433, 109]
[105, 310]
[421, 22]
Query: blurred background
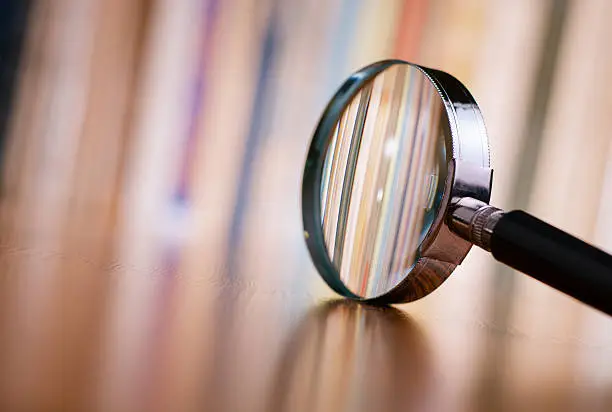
[151, 251]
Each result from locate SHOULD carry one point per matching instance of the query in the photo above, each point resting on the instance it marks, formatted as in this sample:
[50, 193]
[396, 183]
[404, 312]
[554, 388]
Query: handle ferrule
[474, 221]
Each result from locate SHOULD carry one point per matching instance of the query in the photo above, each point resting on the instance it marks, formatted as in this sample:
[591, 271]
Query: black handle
[554, 257]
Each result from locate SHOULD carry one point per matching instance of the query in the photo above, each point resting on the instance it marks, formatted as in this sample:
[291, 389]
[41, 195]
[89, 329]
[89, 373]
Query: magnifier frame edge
[468, 175]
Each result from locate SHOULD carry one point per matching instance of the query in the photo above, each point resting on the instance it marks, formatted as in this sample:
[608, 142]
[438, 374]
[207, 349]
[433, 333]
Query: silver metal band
[474, 221]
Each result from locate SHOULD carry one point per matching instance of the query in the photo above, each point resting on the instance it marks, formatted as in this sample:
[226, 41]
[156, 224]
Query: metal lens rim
[311, 186]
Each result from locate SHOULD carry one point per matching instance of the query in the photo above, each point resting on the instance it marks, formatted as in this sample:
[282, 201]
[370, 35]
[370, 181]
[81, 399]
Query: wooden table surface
[89, 323]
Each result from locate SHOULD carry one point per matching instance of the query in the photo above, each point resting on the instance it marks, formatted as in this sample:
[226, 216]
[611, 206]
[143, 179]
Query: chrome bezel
[469, 175]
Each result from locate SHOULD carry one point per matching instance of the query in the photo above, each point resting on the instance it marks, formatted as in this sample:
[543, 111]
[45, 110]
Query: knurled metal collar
[482, 226]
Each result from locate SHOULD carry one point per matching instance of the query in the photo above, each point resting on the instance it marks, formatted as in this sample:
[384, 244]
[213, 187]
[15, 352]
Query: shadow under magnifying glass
[348, 356]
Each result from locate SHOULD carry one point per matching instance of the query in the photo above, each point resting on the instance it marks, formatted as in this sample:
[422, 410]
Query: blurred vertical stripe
[13, 22]
[409, 35]
[263, 100]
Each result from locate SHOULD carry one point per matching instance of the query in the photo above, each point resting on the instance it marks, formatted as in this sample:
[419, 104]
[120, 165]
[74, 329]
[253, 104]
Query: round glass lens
[383, 179]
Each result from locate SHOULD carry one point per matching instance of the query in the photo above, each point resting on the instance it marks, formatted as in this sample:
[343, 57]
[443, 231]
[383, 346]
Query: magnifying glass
[396, 190]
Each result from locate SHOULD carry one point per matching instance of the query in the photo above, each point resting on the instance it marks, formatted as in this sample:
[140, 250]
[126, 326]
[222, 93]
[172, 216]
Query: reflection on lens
[383, 179]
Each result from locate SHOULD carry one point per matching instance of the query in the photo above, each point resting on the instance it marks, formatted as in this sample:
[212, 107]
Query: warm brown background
[150, 247]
